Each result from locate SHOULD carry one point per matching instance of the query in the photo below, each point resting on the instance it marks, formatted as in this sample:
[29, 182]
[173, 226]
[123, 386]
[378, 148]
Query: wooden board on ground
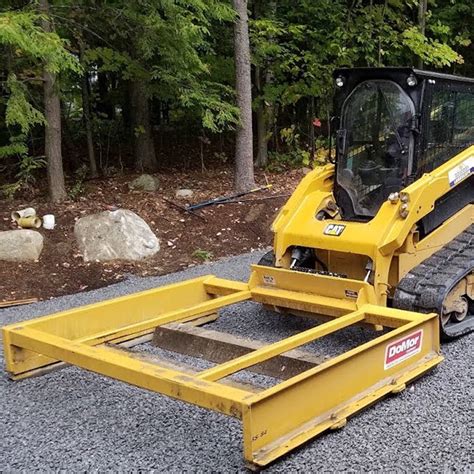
[173, 365]
[221, 347]
[7, 304]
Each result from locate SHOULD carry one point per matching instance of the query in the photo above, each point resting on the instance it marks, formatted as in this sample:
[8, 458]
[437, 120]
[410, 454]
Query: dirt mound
[186, 239]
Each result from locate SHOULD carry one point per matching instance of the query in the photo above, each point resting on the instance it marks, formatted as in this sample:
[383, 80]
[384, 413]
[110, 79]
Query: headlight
[340, 81]
[411, 80]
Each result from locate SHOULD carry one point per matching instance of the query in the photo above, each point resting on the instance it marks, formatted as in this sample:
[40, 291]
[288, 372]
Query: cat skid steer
[381, 238]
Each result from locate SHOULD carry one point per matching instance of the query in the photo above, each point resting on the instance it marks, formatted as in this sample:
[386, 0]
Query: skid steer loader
[383, 237]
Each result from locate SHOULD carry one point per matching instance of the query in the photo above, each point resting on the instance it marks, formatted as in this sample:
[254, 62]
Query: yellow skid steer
[382, 237]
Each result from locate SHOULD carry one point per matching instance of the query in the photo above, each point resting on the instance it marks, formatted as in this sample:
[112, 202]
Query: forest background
[95, 88]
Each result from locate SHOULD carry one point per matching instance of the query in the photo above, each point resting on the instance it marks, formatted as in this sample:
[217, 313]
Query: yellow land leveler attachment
[383, 238]
[275, 420]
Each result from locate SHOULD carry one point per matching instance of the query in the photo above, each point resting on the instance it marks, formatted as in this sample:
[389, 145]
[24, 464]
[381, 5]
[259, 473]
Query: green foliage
[203, 255]
[29, 50]
[295, 157]
[25, 177]
[140, 130]
[214, 102]
[9, 190]
[183, 53]
[298, 44]
[19, 111]
[20, 117]
[302, 42]
[457, 17]
[167, 44]
[14, 148]
[28, 166]
[21, 31]
[281, 161]
[109, 59]
[431, 51]
[221, 157]
[78, 188]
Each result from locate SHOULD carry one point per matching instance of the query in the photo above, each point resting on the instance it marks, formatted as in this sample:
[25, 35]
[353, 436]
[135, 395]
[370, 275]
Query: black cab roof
[388, 72]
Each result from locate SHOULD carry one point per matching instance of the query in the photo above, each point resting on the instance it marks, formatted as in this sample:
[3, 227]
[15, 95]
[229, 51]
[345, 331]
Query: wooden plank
[210, 318]
[178, 367]
[276, 349]
[221, 347]
[7, 304]
[145, 338]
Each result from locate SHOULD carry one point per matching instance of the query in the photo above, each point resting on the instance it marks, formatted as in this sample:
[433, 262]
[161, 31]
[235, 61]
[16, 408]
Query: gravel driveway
[74, 420]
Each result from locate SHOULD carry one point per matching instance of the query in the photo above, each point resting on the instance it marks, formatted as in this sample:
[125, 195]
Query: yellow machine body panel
[389, 237]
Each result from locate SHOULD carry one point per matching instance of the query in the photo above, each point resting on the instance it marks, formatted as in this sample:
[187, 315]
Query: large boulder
[145, 182]
[20, 245]
[115, 235]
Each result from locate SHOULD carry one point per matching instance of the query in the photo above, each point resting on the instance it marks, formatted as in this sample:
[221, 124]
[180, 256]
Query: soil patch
[186, 239]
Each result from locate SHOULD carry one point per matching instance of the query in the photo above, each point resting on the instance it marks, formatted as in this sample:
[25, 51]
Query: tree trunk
[262, 140]
[244, 179]
[103, 103]
[143, 145]
[262, 125]
[422, 10]
[263, 76]
[265, 117]
[52, 113]
[382, 22]
[86, 109]
[86, 115]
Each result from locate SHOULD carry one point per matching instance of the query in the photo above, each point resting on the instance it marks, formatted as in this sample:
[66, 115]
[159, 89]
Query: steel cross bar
[172, 316]
[267, 352]
[218, 397]
[49, 325]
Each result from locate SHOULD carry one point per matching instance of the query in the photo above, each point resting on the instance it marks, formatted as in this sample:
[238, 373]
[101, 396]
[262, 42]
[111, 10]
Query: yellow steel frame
[275, 420]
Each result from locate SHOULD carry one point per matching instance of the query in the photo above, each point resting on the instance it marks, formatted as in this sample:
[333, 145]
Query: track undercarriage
[443, 284]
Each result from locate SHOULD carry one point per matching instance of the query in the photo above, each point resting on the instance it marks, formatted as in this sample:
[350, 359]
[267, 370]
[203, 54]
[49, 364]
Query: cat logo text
[334, 229]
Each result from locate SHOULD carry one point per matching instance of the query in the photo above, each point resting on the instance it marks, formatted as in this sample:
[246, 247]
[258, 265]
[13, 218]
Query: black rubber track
[425, 287]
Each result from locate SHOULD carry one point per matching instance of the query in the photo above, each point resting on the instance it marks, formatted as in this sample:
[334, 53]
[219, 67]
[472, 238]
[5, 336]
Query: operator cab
[389, 131]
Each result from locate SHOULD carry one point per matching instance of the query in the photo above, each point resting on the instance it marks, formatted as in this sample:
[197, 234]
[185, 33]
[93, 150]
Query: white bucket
[49, 221]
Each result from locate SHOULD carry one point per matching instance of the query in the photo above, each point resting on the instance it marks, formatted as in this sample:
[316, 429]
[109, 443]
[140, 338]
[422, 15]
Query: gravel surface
[74, 420]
